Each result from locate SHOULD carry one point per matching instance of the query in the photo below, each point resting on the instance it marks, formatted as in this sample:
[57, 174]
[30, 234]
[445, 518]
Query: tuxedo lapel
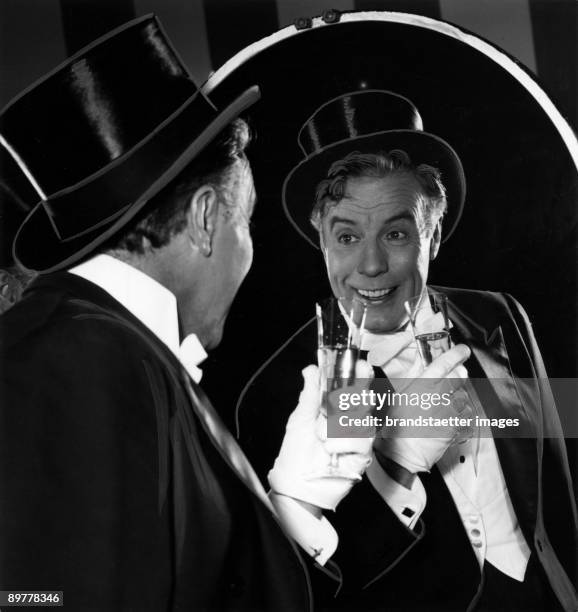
[504, 396]
[224, 441]
[231, 452]
[517, 399]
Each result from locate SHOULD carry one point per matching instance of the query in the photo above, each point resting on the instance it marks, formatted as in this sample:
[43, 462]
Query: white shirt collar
[151, 303]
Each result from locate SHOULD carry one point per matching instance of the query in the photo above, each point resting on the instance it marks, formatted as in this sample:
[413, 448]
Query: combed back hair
[165, 214]
[331, 190]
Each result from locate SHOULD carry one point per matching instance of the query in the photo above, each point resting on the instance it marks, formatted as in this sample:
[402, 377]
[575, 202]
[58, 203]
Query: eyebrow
[401, 216]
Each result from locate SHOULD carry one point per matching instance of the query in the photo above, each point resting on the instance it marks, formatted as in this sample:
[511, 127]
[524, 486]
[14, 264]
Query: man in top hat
[487, 524]
[120, 486]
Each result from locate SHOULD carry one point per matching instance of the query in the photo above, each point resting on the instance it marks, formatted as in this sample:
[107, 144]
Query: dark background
[518, 233]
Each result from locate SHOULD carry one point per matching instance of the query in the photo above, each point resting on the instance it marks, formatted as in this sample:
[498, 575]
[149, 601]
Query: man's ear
[436, 238]
[322, 246]
[317, 223]
[202, 214]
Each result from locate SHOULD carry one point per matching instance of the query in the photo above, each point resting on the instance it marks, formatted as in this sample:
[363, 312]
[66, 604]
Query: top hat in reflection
[367, 121]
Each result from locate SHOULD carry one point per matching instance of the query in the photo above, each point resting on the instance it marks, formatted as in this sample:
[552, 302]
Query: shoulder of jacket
[80, 325]
[483, 306]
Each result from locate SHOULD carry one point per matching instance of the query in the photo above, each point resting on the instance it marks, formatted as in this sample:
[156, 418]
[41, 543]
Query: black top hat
[103, 133]
[367, 121]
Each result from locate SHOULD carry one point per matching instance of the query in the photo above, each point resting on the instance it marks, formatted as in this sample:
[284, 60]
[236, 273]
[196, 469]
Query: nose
[373, 260]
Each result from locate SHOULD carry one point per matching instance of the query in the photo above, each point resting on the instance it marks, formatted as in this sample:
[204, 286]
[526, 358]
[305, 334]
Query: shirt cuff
[406, 504]
[317, 537]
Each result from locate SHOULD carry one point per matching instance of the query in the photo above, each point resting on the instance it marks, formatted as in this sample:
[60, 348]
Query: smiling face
[377, 248]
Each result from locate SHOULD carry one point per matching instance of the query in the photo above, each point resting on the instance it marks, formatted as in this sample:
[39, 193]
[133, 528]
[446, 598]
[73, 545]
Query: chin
[386, 322]
[213, 341]
[215, 335]
[383, 328]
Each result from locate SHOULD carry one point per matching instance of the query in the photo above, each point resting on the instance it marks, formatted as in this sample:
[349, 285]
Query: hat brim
[36, 246]
[422, 147]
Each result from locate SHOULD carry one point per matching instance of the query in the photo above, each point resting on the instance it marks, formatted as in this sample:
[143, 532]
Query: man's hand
[399, 454]
[306, 452]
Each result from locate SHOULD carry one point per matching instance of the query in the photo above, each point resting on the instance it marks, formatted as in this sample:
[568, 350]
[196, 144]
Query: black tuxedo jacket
[383, 565]
[111, 488]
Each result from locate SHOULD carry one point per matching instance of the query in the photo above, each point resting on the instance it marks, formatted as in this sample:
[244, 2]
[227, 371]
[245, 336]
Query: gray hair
[331, 190]
[165, 214]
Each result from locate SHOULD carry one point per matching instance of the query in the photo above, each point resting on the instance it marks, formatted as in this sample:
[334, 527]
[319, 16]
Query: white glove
[301, 467]
[421, 454]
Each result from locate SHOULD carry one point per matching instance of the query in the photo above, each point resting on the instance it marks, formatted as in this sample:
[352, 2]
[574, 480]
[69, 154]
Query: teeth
[374, 294]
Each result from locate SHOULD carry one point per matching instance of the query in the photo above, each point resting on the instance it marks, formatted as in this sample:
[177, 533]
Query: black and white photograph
[288, 305]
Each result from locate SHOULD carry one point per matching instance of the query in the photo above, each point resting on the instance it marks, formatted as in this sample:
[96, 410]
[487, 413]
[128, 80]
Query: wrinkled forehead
[370, 200]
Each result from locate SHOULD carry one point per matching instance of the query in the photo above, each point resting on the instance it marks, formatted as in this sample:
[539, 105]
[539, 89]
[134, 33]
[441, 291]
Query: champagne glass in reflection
[340, 325]
[430, 323]
[428, 317]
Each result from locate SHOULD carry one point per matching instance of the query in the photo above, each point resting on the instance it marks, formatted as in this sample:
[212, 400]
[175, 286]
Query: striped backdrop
[35, 35]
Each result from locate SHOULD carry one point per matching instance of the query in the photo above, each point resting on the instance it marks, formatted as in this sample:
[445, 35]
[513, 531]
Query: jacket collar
[502, 397]
[152, 303]
[63, 284]
[489, 350]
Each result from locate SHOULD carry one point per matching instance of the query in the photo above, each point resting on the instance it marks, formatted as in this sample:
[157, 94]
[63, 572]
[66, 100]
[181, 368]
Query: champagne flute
[430, 324]
[340, 326]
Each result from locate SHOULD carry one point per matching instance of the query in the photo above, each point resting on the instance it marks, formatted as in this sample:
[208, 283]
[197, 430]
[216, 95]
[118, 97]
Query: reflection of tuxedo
[112, 488]
[384, 564]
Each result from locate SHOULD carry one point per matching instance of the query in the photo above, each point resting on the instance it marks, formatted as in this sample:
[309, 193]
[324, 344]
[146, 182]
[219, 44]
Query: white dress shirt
[151, 303]
[156, 308]
[480, 495]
